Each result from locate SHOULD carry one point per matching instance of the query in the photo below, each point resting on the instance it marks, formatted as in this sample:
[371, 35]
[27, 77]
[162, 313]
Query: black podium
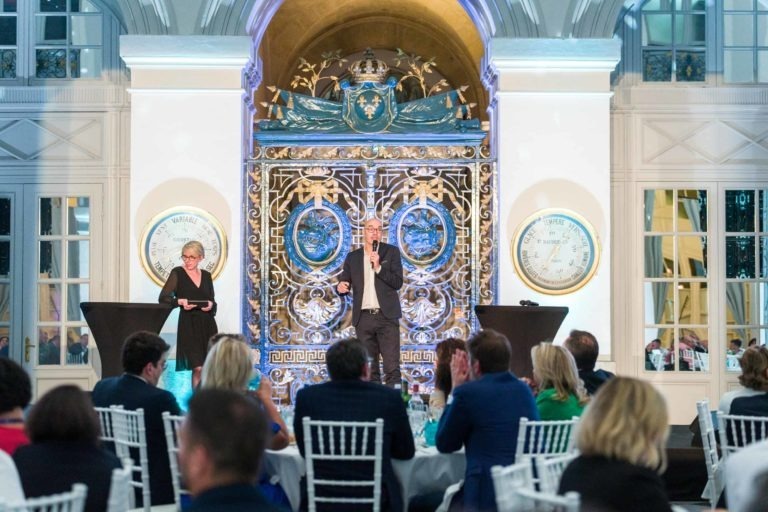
[112, 322]
[525, 327]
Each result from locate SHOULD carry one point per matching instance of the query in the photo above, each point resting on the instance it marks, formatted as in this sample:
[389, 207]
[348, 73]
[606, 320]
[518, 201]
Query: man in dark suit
[374, 273]
[483, 414]
[221, 443]
[144, 359]
[583, 345]
[349, 397]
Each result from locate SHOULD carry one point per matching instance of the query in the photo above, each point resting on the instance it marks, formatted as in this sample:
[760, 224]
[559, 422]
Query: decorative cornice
[185, 51]
[81, 97]
[655, 97]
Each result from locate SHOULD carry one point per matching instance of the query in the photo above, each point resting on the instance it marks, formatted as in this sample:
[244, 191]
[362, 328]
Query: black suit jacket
[356, 400]
[133, 393]
[387, 282]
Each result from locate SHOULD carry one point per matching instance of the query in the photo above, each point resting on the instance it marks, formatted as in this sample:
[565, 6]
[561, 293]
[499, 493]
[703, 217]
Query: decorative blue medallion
[425, 234]
[318, 238]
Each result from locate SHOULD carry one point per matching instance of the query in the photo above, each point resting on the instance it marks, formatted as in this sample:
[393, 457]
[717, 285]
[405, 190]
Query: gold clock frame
[176, 210]
[537, 217]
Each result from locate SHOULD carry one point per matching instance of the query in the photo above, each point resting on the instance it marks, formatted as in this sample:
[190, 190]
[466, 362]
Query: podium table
[112, 322]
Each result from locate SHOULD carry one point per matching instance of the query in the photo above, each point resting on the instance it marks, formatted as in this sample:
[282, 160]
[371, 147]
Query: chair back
[340, 443]
[105, 420]
[686, 354]
[172, 424]
[131, 442]
[545, 438]
[715, 481]
[508, 479]
[72, 501]
[701, 361]
[550, 470]
[120, 494]
[534, 501]
[738, 431]
[657, 360]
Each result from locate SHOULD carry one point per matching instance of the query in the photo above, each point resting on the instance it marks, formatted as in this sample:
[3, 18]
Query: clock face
[555, 251]
[167, 233]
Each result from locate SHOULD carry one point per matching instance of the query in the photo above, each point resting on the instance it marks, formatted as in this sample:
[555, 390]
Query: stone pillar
[189, 110]
[552, 119]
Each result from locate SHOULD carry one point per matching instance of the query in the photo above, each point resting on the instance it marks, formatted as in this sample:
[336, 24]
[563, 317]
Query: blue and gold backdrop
[309, 193]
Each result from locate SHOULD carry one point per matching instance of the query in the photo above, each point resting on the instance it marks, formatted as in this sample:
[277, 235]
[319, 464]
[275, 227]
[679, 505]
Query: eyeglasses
[373, 230]
[185, 257]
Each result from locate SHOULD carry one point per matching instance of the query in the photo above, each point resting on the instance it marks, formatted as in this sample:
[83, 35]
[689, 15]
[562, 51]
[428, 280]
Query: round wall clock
[165, 235]
[555, 251]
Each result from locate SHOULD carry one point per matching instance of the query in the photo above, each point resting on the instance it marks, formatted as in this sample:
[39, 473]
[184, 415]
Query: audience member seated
[221, 444]
[734, 347]
[348, 396]
[4, 346]
[752, 342]
[585, 349]
[65, 449]
[561, 393]
[621, 438]
[77, 352]
[746, 479]
[752, 399]
[443, 385]
[10, 485]
[228, 365]
[144, 359]
[482, 414]
[15, 394]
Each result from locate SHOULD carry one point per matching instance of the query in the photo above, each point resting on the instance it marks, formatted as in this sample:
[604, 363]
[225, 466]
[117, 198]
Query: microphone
[374, 248]
[528, 303]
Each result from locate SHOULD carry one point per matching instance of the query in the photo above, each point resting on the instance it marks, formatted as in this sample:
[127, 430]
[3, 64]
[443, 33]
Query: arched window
[674, 34]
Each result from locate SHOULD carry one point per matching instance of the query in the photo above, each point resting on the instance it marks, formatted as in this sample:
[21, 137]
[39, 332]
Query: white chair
[738, 431]
[686, 354]
[508, 479]
[343, 442]
[72, 501]
[120, 493]
[701, 361]
[105, 420]
[550, 470]
[657, 360]
[172, 424]
[130, 433]
[715, 481]
[10, 483]
[548, 438]
[534, 501]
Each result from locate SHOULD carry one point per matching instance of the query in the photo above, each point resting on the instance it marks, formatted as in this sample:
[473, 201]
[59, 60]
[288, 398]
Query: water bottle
[417, 412]
[403, 387]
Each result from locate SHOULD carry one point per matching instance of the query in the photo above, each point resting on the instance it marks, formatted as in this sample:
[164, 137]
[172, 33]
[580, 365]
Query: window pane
[48, 345]
[762, 212]
[763, 257]
[51, 30]
[738, 30]
[50, 259]
[692, 210]
[659, 349]
[659, 303]
[77, 345]
[692, 256]
[86, 30]
[691, 345]
[53, 5]
[694, 306]
[76, 293]
[740, 257]
[84, 6]
[659, 5]
[740, 306]
[738, 340]
[691, 66]
[49, 302]
[658, 210]
[737, 5]
[690, 30]
[51, 64]
[658, 256]
[85, 63]
[7, 63]
[5, 302]
[657, 29]
[762, 304]
[692, 5]
[762, 66]
[762, 30]
[79, 259]
[5, 259]
[657, 66]
[8, 5]
[78, 215]
[739, 210]
[8, 30]
[50, 216]
[5, 216]
[738, 66]
[762, 5]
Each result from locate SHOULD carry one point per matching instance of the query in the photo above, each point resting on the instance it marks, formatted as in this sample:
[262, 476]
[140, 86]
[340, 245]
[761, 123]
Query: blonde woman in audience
[228, 365]
[561, 393]
[621, 438]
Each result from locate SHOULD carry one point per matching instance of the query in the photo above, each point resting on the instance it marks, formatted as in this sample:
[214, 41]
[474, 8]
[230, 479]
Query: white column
[553, 148]
[188, 117]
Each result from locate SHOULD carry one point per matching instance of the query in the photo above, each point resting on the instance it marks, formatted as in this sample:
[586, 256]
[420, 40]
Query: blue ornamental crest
[425, 234]
[369, 107]
[317, 238]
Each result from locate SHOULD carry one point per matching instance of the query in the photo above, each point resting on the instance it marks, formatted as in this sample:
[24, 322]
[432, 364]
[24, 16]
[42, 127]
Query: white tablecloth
[428, 471]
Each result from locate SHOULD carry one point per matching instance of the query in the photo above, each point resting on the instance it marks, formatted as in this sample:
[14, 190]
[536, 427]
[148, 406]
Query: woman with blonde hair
[229, 366]
[561, 393]
[621, 439]
[749, 400]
